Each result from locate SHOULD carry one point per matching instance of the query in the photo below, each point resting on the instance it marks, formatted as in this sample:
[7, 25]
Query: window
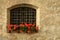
[22, 14]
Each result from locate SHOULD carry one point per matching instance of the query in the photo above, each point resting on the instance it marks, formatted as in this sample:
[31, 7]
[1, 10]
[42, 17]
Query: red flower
[9, 27]
[21, 25]
[28, 25]
[15, 27]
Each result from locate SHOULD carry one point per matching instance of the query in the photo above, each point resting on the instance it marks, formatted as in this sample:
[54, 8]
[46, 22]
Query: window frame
[25, 5]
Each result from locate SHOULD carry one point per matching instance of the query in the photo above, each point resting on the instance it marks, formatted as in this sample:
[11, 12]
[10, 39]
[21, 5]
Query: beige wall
[49, 20]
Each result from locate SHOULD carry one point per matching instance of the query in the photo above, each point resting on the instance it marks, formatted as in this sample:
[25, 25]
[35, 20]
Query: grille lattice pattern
[22, 14]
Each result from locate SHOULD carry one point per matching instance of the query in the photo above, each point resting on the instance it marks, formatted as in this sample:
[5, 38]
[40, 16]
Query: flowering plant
[23, 28]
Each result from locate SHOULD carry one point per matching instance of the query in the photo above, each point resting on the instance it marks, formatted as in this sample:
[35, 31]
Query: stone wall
[49, 20]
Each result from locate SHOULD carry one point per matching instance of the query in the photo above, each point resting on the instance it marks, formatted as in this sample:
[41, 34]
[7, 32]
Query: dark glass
[22, 14]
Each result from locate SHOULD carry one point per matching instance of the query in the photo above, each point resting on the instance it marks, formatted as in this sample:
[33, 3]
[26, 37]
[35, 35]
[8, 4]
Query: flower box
[22, 28]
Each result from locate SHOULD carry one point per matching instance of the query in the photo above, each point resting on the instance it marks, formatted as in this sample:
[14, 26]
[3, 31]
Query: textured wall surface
[49, 20]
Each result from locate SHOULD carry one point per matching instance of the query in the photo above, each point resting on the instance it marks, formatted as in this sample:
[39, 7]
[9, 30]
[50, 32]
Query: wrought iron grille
[23, 14]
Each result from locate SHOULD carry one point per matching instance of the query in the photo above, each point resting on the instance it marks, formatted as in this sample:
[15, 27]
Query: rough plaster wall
[49, 18]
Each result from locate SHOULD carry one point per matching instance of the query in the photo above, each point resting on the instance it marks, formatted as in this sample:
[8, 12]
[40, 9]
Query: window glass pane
[22, 14]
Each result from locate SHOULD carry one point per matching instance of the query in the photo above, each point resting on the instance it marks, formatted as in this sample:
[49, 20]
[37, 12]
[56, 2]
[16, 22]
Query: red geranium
[9, 27]
[15, 26]
[28, 25]
[21, 25]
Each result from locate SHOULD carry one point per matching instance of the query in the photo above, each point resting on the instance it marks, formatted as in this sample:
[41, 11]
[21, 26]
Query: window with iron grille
[23, 14]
